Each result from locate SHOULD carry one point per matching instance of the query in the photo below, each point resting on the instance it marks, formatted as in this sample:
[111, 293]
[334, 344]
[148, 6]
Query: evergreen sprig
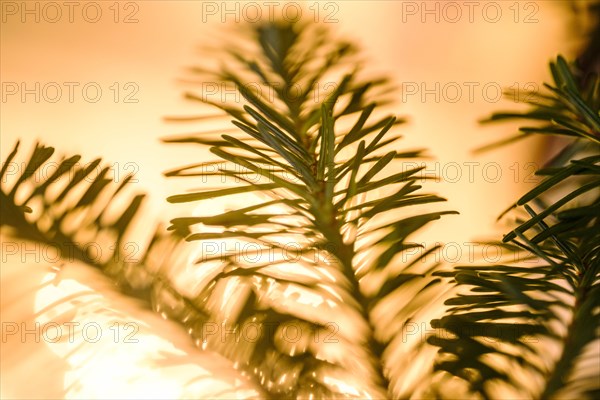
[60, 203]
[85, 213]
[327, 191]
[535, 325]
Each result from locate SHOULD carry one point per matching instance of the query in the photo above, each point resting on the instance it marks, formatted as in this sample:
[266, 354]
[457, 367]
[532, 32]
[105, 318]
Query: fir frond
[325, 204]
[80, 210]
[534, 327]
[85, 213]
[64, 203]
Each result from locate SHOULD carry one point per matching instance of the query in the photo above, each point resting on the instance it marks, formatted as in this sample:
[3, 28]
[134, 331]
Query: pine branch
[84, 213]
[325, 189]
[521, 308]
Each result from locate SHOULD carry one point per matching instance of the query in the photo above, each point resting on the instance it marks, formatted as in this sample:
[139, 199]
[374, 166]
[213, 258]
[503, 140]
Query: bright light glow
[115, 351]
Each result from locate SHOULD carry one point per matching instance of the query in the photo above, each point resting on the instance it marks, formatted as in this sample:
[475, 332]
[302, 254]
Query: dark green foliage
[42, 216]
[82, 211]
[328, 192]
[515, 316]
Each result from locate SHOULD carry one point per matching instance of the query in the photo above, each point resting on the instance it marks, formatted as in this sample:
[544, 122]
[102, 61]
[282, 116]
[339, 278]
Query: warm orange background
[153, 52]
